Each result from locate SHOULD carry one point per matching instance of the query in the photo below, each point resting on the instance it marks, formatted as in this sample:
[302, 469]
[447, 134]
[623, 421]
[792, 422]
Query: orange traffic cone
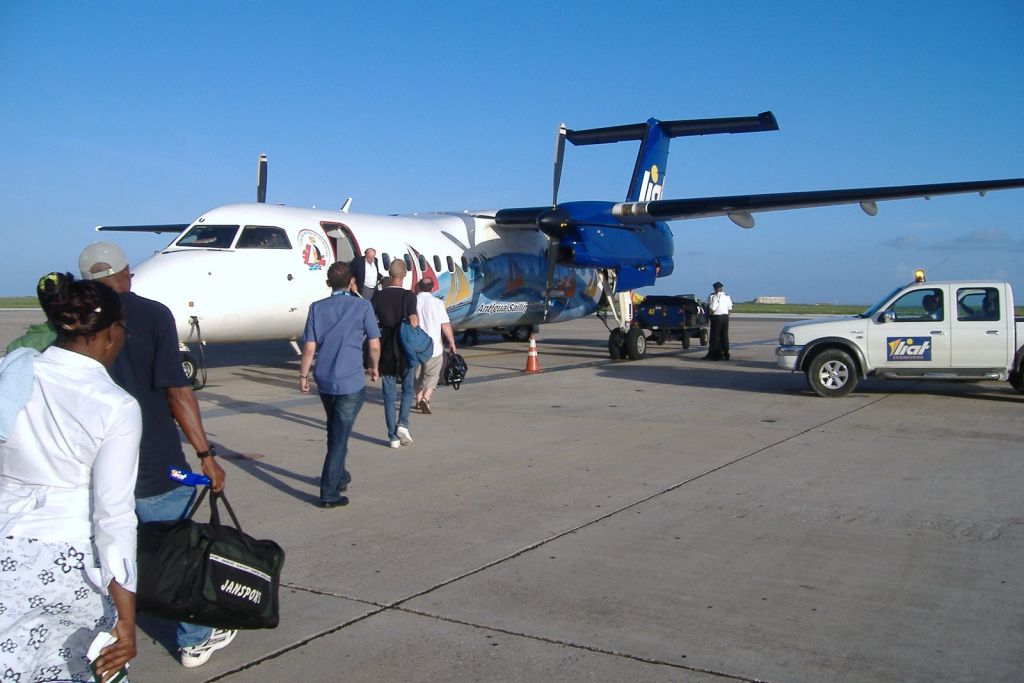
[531, 357]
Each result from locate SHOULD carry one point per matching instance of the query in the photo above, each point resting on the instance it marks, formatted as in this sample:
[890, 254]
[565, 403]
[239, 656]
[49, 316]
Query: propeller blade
[261, 179]
[559, 155]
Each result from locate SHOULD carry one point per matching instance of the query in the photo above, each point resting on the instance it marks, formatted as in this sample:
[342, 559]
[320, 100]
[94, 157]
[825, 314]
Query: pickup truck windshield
[878, 305]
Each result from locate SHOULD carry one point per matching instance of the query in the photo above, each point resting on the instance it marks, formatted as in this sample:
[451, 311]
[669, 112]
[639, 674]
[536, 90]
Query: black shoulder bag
[208, 573]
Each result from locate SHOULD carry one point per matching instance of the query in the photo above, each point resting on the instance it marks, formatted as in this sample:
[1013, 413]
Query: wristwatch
[207, 453]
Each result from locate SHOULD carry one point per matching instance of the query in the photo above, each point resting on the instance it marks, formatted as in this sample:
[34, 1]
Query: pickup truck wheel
[636, 344]
[1017, 380]
[832, 373]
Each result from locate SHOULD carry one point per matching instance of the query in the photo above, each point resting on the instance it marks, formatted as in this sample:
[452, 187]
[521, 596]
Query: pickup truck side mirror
[887, 316]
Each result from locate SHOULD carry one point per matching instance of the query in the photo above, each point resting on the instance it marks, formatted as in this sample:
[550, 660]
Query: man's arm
[446, 332]
[308, 351]
[373, 346]
[185, 409]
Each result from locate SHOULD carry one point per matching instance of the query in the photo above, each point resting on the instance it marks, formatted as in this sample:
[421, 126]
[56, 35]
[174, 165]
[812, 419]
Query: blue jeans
[387, 385]
[166, 507]
[341, 416]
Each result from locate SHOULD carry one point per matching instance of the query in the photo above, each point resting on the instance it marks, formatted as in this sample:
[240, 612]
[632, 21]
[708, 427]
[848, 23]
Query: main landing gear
[623, 341]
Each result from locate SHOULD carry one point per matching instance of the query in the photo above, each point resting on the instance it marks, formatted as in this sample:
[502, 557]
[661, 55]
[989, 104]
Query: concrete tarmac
[669, 519]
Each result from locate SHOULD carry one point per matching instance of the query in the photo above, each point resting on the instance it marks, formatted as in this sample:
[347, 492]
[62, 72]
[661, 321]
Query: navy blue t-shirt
[149, 363]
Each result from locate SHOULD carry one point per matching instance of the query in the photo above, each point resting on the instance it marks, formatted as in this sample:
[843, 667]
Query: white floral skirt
[50, 610]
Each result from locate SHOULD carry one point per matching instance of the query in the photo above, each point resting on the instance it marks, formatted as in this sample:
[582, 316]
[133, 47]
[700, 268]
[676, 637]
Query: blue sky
[125, 112]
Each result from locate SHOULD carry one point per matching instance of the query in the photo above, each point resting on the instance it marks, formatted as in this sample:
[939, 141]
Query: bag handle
[214, 512]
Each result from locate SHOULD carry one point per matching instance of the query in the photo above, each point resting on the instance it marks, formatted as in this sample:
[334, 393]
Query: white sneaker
[396, 443]
[197, 655]
[403, 435]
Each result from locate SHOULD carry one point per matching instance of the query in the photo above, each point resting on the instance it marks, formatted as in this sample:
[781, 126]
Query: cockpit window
[209, 236]
[263, 237]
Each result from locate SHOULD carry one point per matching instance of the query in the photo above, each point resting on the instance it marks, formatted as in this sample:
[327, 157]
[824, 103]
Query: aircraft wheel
[520, 333]
[832, 373]
[636, 343]
[686, 339]
[188, 364]
[616, 341]
[703, 337]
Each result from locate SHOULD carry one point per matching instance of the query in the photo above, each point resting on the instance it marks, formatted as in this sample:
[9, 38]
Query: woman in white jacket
[69, 440]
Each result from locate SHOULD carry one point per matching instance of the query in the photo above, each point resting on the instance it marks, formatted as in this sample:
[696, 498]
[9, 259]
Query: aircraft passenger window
[408, 261]
[451, 264]
[977, 303]
[437, 262]
[209, 236]
[385, 260]
[465, 264]
[263, 237]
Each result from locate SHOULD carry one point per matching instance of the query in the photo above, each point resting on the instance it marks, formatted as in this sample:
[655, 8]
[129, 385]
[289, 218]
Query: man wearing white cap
[149, 368]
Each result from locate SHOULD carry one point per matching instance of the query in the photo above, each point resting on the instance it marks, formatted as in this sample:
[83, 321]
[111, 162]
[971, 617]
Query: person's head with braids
[86, 315]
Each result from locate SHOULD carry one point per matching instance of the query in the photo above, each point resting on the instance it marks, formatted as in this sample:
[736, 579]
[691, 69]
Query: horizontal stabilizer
[739, 205]
[673, 129]
[171, 227]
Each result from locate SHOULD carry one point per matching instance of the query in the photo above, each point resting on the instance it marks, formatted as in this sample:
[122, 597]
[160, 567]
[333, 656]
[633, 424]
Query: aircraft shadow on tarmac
[694, 371]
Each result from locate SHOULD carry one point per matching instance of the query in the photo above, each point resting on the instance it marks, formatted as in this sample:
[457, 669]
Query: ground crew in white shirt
[719, 305]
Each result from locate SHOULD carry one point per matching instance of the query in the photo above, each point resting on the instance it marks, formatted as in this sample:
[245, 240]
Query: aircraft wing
[171, 227]
[740, 207]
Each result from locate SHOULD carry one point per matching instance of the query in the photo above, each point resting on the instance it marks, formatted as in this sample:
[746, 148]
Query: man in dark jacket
[366, 273]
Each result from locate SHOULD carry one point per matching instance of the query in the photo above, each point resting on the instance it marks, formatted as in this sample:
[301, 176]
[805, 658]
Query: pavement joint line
[580, 646]
[398, 604]
[288, 648]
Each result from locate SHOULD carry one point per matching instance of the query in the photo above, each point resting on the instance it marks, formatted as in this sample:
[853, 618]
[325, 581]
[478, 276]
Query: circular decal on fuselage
[314, 249]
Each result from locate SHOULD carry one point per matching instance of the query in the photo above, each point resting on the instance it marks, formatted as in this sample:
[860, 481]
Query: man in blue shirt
[335, 330]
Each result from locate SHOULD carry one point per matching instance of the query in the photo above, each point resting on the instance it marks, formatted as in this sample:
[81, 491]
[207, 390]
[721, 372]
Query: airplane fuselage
[248, 272]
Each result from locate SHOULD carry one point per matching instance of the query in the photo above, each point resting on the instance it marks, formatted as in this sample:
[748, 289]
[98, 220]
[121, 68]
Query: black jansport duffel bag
[208, 573]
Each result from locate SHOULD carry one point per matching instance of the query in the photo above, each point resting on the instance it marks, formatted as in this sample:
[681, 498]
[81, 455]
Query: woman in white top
[68, 461]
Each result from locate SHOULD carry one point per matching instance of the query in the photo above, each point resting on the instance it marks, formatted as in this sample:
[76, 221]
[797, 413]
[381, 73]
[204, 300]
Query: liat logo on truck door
[909, 348]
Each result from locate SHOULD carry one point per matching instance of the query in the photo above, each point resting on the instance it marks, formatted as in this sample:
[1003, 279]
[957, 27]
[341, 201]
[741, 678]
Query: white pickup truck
[924, 330]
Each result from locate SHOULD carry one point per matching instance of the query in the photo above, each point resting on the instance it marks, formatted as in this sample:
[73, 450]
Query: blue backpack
[416, 344]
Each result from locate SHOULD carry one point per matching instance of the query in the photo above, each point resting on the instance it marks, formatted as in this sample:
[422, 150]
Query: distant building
[770, 300]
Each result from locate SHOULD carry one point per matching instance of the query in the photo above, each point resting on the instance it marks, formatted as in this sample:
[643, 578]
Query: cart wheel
[659, 337]
[686, 339]
[703, 337]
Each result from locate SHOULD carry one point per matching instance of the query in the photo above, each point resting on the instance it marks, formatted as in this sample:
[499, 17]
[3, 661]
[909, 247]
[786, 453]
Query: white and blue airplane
[248, 272]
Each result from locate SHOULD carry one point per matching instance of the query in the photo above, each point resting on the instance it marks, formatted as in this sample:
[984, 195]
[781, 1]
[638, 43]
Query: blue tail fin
[649, 173]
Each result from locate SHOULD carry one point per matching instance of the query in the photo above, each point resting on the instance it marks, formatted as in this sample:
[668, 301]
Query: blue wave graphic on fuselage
[508, 289]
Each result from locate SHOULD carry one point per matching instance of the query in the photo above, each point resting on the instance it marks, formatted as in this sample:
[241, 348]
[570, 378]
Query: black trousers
[718, 337]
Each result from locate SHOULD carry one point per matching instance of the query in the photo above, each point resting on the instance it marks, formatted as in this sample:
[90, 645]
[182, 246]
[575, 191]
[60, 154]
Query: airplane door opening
[345, 247]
